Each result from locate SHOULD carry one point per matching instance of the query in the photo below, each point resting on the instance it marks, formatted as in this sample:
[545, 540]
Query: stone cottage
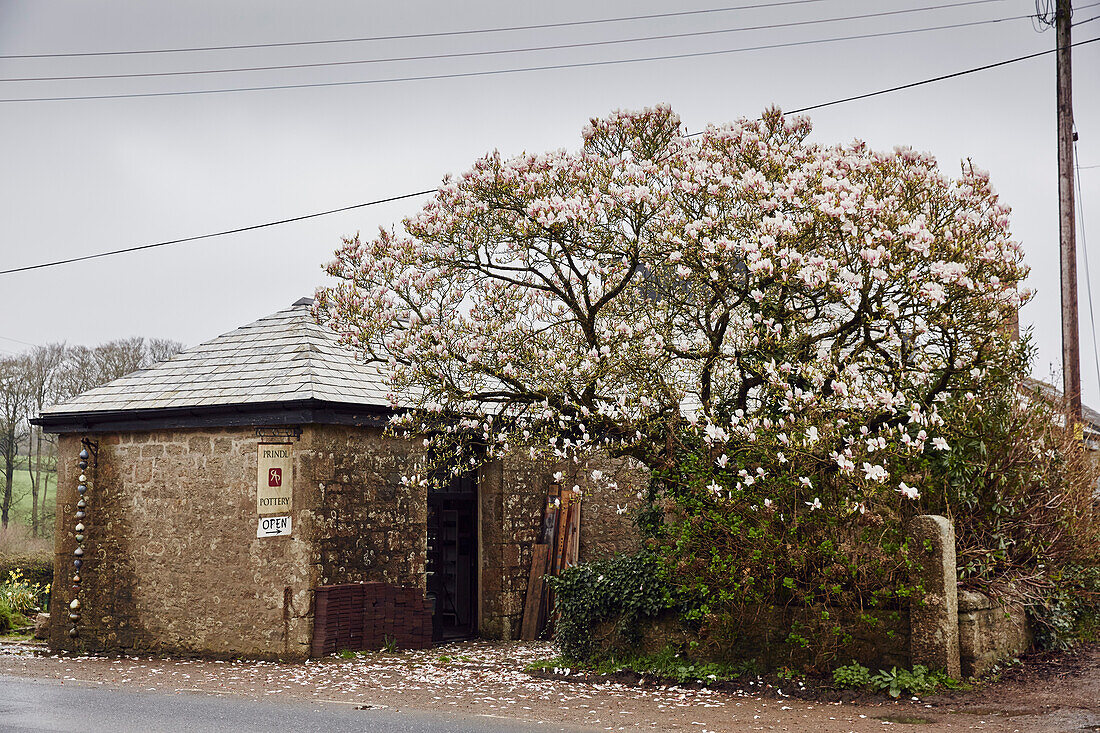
[210, 503]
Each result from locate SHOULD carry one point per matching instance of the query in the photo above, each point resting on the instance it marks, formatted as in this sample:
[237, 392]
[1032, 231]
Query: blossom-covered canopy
[742, 280]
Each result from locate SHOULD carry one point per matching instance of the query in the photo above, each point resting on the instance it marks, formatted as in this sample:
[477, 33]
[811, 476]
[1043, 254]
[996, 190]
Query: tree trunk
[5, 505]
[36, 476]
[45, 490]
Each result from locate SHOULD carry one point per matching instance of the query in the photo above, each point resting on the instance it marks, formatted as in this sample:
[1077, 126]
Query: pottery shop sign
[274, 478]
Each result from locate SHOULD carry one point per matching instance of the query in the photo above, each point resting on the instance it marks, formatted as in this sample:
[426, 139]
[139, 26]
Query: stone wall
[172, 560]
[512, 494]
[609, 506]
[173, 564]
[512, 502]
[876, 638]
[990, 632]
[369, 527]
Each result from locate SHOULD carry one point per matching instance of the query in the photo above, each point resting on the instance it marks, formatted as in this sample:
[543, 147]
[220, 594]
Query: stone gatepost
[934, 607]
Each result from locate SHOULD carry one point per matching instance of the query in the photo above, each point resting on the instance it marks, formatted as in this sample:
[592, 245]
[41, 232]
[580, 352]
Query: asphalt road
[48, 705]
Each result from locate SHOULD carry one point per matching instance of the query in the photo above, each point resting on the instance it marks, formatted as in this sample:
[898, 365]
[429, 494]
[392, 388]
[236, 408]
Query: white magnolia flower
[875, 473]
[940, 444]
[908, 491]
[815, 504]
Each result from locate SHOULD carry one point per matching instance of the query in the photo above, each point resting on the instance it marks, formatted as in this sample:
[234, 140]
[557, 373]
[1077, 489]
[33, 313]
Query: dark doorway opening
[452, 558]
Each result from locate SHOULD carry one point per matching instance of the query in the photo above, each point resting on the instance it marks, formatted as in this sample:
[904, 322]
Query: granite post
[934, 612]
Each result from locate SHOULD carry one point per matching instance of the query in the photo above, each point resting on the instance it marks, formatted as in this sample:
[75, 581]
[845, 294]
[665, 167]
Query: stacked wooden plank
[358, 616]
[559, 549]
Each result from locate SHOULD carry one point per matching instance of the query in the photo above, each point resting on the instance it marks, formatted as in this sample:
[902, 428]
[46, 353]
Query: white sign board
[273, 527]
[274, 478]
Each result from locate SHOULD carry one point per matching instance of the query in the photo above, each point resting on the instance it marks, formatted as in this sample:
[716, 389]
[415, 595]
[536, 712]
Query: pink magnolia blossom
[744, 284]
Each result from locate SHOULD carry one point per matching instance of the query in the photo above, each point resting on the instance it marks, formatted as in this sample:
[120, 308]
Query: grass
[16, 541]
[20, 512]
[666, 664]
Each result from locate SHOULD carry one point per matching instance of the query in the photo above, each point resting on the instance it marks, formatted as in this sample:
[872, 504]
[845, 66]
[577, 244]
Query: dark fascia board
[300, 412]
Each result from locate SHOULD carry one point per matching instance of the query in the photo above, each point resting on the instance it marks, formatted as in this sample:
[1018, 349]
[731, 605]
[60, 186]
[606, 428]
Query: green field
[21, 497]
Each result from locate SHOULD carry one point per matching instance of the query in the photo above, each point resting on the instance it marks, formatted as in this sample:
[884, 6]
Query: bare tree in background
[13, 425]
[85, 367]
[41, 368]
[47, 375]
[158, 350]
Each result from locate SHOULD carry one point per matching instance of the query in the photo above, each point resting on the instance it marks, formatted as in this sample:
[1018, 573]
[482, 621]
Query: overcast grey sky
[86, 176]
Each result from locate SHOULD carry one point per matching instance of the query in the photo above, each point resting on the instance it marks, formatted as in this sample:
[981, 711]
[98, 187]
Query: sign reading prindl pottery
[274, 478]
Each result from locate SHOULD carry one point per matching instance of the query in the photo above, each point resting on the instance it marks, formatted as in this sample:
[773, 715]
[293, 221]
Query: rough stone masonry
[175, 566]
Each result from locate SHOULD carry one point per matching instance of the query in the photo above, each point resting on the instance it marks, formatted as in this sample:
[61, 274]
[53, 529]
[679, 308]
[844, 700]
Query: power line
[214, 234]
[25, 343]
[494, 72]
[425, 192]
[528, 49]
[1085, 251]
[440, 34]
[938, 78]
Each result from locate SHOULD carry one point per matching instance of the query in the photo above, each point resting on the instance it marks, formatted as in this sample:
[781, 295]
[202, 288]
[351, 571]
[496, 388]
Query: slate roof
[282, 358]
[1049, 392]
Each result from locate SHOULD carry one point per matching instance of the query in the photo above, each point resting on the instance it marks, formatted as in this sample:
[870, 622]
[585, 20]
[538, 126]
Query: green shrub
[8, 618]
[25, 580]
[1069, 610]
[852, 676]
[624, 590]
[917, 681]
[741, 527]
[1019, 487]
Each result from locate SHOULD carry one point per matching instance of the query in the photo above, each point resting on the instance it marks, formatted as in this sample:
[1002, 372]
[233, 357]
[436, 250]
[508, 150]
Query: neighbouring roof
[280, 362]
[1090, 417]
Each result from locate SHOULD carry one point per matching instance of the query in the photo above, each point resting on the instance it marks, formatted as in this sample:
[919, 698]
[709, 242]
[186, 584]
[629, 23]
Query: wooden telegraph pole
[1071, 352]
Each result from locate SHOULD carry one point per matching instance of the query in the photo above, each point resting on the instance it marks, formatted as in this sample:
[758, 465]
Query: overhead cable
[439, 34]
[428, 191]
[497, 52]
[238, 230]
[495, 72]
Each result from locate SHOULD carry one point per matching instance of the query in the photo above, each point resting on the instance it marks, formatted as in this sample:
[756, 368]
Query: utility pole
[1071, 352]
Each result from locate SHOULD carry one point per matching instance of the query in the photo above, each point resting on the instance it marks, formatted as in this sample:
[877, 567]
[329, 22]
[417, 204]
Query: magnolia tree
[796, 310]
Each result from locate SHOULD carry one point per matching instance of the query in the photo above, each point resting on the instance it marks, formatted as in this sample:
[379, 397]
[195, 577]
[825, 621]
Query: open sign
[273, 527]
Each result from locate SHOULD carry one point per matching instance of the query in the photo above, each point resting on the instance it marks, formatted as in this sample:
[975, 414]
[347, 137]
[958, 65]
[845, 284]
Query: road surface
[49, 705]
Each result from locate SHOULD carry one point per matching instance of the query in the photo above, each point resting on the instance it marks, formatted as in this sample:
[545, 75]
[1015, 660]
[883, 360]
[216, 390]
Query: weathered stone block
[934, 614]
[199, 444]
[989, 632]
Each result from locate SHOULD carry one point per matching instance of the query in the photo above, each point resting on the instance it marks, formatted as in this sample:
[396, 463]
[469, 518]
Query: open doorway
[452, 558]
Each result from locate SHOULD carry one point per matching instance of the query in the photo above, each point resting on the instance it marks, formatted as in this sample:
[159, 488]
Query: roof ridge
[307, 342]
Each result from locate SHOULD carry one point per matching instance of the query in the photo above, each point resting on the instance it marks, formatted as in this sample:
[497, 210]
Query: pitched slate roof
[1090, 417]
[281, 358]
